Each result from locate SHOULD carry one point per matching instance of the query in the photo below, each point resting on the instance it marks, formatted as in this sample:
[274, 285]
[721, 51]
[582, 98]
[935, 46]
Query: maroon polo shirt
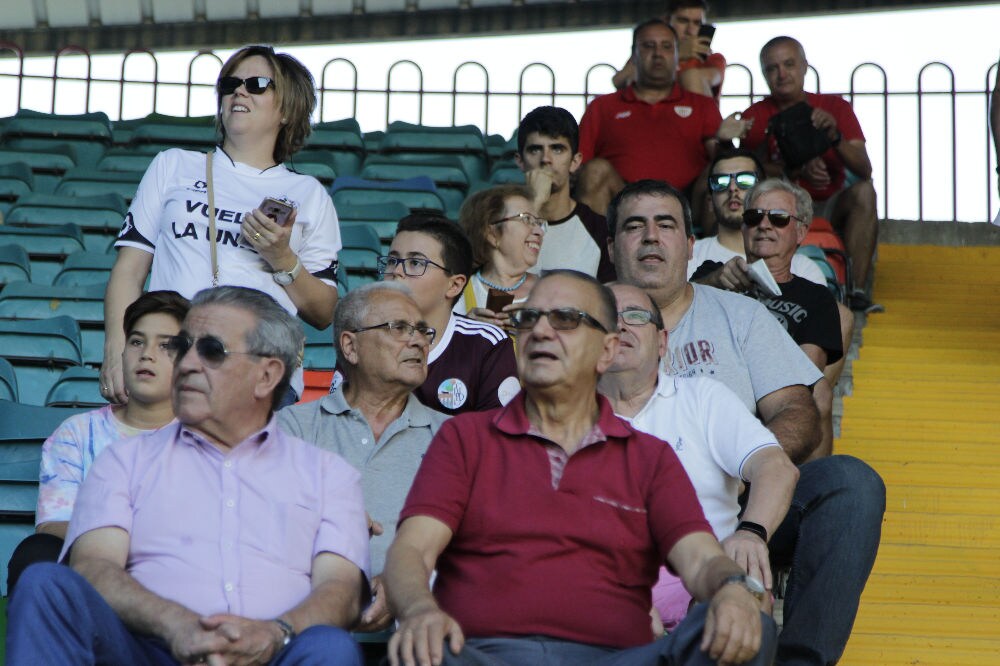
[543, 546]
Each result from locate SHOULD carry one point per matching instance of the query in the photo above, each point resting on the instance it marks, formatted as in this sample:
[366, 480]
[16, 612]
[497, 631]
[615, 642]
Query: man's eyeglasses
[529, 220]
[402, 330]
[561, 319]
[636, 317]
[745, 180]
[779, 218]
[412, 266]
[255, 85]
[210, 349]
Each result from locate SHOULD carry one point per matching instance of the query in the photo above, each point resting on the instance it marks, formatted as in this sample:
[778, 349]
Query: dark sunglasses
[561, 319]
[779, 218]
[718, 182]
[255, 85]
[210, 349]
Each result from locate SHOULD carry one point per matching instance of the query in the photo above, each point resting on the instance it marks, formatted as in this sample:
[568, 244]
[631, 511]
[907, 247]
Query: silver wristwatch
[751, 584]
[285, 278]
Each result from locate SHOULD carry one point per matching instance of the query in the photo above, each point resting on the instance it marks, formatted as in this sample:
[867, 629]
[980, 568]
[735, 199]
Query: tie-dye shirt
[67, 456]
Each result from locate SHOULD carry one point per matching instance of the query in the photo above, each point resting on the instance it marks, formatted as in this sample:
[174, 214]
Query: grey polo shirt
[387, 467]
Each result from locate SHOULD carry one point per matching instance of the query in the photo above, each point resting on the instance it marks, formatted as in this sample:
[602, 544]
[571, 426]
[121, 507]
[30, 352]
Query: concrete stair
[924, 410]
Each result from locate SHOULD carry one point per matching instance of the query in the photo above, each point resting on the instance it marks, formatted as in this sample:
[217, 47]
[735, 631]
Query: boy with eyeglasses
[470, 364]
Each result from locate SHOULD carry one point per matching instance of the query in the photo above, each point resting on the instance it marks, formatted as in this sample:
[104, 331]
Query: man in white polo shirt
[716, 438]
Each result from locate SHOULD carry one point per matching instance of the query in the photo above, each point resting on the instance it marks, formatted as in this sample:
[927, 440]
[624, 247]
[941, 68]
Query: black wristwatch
[286, 630]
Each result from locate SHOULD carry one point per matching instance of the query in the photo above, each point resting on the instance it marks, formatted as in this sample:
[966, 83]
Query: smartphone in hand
[707, 30]
[497, 300]
[277, 210]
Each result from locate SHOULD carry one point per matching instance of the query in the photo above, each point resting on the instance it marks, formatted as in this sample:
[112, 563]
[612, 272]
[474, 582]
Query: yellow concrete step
[966, 451]
[942, 530]
[905, 256]
[936, 560]
[902, 368]
[955, 621]
[934, 474]
[866, 649]
[923, 588]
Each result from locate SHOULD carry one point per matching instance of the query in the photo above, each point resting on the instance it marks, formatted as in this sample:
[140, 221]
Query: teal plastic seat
[192, 132]
[47, 164]
[8, 381]
[85, 268]
[15, 265]
[413, 193]
[77, 387]
[381, 218]
[39, 350]
[84, 304]
[343, 141]
[47, 246]
[818, 255]
[16, 180]
[99, 216]
[360, 252]
[88, 133]
[319, 353]
[90, 183]
[125, 160]
[320, 164]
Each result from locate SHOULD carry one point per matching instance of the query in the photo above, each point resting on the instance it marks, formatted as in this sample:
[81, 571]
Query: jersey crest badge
[452, 393]
[683, 111]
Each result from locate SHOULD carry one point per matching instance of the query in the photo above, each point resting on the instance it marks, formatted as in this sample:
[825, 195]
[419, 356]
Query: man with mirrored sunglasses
[372, 418]
[731, 175]
[218, 538]
[515, 509]
[716, 438]
[831, 533]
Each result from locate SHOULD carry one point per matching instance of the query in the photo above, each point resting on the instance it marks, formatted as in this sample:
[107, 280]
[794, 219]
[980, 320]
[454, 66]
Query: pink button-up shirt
[228, 532]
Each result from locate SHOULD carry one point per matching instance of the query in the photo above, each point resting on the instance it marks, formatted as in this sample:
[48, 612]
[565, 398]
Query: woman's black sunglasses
[256, 85]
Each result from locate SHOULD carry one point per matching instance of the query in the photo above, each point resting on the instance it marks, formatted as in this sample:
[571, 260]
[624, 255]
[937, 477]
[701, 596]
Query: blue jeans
[830, 538]
[57, 617]
[682, 646]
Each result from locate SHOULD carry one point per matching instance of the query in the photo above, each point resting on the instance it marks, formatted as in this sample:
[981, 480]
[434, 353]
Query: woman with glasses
[506, 235]
[196, 220]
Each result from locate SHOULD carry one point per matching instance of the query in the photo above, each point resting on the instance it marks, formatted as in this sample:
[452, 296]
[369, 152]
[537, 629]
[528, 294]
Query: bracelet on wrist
[287, 632]
[753, 528]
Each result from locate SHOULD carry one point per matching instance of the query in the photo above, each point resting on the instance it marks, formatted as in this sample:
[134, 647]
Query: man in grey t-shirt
[372, 418]
[833, 527]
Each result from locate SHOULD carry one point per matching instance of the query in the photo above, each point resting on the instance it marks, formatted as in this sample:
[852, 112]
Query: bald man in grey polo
[387, 466]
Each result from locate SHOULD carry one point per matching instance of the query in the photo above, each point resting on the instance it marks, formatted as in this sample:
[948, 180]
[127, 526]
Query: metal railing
[341, 96]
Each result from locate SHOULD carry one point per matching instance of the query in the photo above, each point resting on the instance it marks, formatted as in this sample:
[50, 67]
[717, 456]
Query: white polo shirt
[712, 433]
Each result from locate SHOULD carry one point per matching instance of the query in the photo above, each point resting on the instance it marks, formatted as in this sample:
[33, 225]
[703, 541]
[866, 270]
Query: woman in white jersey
[506, 235]
[265, 100]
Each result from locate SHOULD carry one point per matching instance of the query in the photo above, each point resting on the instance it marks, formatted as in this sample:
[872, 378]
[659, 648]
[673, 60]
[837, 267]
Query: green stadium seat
[85, 304]
[47, 246]
[197, 133]
[16, 180]
[23, 429]
[77, 387]
[413, 193]
[40, 350]
[320, 164]
[99, 216]
[88, 133]
[83, 268]
[373, 141]
[47, 165]
[506, 172]
[319, 353]
[343, 140]
[125, 159]
[360, 252]
[465, 142]
[495, 145]
[122, 130]
[446, 171]
[15, 265]
[90, 182]
[8, 381]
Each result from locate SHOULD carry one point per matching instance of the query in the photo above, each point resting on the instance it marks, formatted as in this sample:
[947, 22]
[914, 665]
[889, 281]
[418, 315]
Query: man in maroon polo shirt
[546, 521]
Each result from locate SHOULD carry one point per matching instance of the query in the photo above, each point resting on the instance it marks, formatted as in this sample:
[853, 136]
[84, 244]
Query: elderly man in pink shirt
[216, 539]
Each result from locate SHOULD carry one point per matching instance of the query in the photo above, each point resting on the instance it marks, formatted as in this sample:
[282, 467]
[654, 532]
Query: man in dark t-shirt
[548, 141]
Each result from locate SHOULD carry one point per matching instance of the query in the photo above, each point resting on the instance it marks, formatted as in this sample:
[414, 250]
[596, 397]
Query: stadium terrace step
[923, 414]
